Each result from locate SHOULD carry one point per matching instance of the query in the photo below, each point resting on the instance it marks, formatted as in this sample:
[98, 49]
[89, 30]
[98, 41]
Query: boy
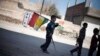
[80, 40]
[94, 41]
[49, 32]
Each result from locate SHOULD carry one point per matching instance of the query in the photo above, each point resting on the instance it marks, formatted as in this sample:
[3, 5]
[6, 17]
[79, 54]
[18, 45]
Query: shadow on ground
[17, 44]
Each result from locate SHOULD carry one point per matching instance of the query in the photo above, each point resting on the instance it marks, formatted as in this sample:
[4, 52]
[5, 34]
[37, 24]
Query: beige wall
[92, 23]
[10, 8]
[10, 5]
[92, 20]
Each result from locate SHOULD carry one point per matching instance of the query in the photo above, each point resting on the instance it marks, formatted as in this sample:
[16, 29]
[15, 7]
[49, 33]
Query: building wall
[9, 4]
[75, 13]
[77, 20]
[10, 8]
[92, 20]
[92, 23]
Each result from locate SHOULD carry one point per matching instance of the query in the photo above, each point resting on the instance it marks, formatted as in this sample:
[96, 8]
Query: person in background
[94, 41]
[49, 32]
[80, 40]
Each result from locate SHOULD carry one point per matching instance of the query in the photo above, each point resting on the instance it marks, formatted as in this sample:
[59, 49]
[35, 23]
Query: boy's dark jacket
[81, 35]
[50, 27]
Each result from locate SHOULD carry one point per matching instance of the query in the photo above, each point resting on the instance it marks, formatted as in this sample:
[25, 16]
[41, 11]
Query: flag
[27, 17]
[37, 21]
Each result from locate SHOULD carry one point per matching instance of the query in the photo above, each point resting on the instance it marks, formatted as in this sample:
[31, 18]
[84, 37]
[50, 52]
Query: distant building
[79, 14]
[76, 13]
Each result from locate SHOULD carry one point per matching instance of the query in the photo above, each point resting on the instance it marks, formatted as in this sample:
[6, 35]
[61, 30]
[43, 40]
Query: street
[17, 44]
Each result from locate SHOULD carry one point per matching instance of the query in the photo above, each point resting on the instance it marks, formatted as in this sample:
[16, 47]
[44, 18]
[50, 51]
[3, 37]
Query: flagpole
[42, 6]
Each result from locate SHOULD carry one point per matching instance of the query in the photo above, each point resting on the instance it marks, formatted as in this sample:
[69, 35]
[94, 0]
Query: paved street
[17, 44]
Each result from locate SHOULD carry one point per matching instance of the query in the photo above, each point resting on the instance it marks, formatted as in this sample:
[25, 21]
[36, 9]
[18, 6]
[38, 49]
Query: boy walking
[80, 40]
[49, 32]
[94, 41]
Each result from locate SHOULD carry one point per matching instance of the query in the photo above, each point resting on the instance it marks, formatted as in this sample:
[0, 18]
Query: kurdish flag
[37, 21]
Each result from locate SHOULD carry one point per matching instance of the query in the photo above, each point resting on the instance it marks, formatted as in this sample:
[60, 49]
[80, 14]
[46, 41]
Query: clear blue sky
[96, 4]
[62, 4]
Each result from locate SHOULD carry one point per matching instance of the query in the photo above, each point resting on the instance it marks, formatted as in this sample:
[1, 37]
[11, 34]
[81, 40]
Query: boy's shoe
[71, 53]
[46, 52]
[41, 47]
[43, 50]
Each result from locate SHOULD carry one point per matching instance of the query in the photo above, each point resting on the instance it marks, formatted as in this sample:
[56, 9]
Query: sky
[62, 4]
[96, 4]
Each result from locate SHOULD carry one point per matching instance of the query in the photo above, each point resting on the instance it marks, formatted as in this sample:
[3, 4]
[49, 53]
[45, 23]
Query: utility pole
[68, 3]
[42, 6]
[67, 9]
[73, 14]
[86, 6]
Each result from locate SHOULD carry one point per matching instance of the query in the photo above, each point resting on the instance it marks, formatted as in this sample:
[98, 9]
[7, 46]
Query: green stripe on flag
[45, 21]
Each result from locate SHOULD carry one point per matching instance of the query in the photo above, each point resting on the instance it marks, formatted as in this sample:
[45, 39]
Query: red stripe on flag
[33, 19]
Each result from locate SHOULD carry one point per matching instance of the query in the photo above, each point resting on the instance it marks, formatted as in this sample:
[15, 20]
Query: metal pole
[99, 29]
[67, 8]
[54, 45]
[42, 7]
[75, 2]
[73, 14]
[68, 4]
[85, 10]
[55, 48]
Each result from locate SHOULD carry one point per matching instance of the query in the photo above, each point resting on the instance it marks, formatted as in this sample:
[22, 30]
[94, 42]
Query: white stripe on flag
[27, 17]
